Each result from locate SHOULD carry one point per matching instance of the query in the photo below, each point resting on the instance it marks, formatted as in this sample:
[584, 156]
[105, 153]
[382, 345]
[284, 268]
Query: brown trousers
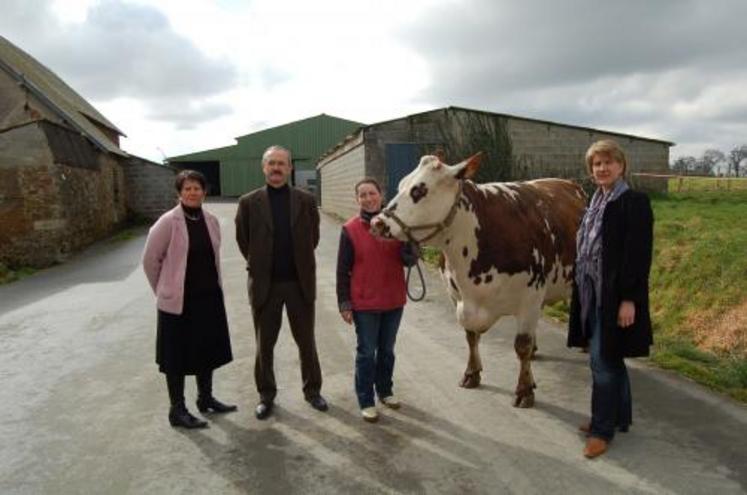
[267, 322]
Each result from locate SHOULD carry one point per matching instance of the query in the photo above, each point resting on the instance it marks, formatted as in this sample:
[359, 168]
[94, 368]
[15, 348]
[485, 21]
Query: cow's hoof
[525, 401]
[470, 380]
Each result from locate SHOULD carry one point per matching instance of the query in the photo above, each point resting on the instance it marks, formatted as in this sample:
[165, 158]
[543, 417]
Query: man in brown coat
[277, 229]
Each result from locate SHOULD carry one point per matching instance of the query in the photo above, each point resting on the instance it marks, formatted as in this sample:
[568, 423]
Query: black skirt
[196, 340]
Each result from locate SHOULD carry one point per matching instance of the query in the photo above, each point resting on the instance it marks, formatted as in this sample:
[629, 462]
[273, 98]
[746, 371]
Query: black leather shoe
[318, 403]
[207, 404]
[263, 410]
[180, 416]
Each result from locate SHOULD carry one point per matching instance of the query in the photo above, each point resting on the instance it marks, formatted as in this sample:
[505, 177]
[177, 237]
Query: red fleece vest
[378, 281]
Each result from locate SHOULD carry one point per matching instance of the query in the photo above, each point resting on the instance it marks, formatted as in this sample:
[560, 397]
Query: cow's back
[527, 227]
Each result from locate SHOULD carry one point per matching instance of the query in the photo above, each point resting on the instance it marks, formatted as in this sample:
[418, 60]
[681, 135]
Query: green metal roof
[206, 155]
[307, 138]
[240, 164]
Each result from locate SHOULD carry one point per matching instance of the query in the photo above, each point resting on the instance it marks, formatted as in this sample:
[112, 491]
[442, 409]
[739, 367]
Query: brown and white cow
[508, 248]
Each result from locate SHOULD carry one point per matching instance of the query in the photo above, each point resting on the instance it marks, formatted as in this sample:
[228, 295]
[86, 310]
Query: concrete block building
[516, 148]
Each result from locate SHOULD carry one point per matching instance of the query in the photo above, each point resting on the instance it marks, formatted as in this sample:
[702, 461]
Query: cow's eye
[418, 192]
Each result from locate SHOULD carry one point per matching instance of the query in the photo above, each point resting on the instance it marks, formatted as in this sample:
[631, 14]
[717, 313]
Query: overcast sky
[185, 75]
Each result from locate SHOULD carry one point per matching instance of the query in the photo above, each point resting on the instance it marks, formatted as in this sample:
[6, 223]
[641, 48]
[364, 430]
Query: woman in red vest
[371, 294]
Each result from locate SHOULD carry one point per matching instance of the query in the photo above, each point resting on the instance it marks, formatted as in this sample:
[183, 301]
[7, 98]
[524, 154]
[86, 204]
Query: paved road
[83, 407]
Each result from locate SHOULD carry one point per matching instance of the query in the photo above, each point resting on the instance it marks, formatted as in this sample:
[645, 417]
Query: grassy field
[699, 287]
[695, 184]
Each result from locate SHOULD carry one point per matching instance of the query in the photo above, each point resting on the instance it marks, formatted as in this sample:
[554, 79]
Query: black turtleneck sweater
[283, 262]
[202, 275]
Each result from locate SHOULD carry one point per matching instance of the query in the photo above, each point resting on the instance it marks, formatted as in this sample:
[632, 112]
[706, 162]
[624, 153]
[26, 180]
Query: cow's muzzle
[379, 228]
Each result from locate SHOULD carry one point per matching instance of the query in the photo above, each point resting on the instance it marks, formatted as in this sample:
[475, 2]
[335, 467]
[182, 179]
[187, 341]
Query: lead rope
[422, 280]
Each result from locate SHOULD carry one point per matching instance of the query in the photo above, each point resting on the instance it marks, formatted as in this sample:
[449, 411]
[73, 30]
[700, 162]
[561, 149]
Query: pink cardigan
[165, 257]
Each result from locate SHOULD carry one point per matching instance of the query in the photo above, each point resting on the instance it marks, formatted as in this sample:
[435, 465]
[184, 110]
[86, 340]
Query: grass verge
[699, 287]
[8, 275]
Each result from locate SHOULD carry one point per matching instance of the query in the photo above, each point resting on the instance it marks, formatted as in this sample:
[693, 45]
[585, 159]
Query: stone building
[516, 148]
[62, 173]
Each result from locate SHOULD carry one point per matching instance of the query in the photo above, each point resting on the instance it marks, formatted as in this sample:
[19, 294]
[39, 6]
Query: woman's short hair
[186, 175]
[606, 147]
[367, 180]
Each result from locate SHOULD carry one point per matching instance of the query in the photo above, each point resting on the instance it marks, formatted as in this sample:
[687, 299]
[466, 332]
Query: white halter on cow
[508, 248]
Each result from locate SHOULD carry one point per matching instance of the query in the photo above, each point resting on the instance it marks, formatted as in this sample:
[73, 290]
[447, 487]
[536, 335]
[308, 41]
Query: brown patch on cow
[723, 331]
[512, 227]
[523, 345]
[465, 251]
[477, 280]
[418, 192]
[488, 279]
[448, 241]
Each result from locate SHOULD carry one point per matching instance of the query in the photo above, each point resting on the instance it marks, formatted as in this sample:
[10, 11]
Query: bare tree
[737, 159]
[684, 165]
[706, 164]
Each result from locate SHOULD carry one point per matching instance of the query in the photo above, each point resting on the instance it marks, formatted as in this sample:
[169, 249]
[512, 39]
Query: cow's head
[426, 200]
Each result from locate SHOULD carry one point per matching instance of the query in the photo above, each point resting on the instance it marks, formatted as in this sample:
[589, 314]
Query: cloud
[668, 67]
[187, 116]
[124, 50]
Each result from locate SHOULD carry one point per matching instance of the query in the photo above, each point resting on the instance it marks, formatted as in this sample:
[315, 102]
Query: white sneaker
[370, 414]
[391, 401]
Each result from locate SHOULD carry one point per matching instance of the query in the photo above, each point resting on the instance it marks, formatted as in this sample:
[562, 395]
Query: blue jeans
[374, 359]
[611, 402]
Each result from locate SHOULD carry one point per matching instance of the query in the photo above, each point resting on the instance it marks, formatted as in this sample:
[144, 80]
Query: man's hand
[626, 314]
[347, 316]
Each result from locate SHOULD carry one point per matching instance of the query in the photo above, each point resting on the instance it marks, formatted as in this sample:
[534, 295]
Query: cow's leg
[471, 377]
[524, 345]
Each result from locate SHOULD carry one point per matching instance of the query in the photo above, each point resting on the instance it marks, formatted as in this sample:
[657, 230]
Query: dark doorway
[401, 159]
[211, 171]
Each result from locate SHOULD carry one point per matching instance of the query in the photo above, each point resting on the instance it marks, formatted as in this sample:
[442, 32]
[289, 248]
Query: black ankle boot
[205, 404]
[205, 400]
[180, 416]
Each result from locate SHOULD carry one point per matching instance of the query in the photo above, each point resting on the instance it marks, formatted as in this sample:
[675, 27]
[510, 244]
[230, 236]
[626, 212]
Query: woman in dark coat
[609, 307]
[182, 263]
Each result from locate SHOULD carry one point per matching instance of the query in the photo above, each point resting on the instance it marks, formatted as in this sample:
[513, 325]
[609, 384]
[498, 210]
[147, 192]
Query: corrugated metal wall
[241, 165]
[307, 139]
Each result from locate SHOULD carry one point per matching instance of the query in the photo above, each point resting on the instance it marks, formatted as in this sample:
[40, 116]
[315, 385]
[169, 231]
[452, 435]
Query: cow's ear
[469, 167]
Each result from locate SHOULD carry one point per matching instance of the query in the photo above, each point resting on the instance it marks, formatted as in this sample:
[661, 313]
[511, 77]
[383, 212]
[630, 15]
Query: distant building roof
[61, 98]
[307, 138]
[517, 117]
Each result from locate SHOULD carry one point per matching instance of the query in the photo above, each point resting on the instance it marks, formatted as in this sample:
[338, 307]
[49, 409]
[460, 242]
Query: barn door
[401, 159]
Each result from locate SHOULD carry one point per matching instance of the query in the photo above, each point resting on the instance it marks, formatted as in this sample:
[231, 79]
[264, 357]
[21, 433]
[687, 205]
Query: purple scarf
[589, 249]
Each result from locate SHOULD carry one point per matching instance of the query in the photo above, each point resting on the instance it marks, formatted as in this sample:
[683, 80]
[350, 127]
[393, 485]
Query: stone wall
[50, 210]
[150, 187]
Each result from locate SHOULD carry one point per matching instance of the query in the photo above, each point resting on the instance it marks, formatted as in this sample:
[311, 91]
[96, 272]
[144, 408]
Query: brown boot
[595, 447]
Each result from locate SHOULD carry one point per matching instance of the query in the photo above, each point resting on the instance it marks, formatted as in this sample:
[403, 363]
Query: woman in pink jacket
[182, 263]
